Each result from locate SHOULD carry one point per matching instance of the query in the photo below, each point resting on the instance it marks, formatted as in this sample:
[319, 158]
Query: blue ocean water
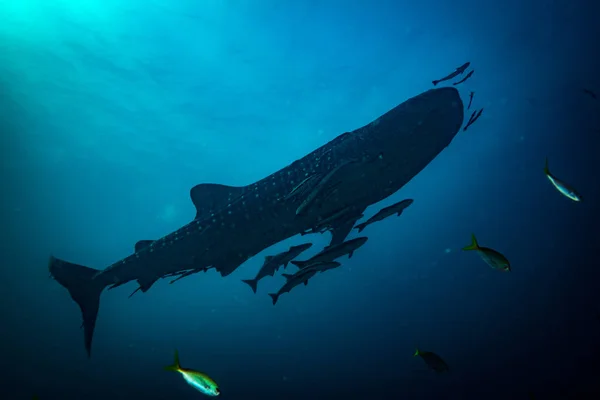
[110, 111]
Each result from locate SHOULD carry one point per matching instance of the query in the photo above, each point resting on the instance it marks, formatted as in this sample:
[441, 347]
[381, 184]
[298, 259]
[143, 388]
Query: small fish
[590, 93]
[562, 187]
[465, 78]
[493, 258]
[331, 253]
[340, 217]
[272, 264]
[459, 71]
[198, 380]
[474, 117]
[302, 276]
[386, 212]
[326, 266]
[433, 361]
[318, 189]
[187, 273]
[470, 99]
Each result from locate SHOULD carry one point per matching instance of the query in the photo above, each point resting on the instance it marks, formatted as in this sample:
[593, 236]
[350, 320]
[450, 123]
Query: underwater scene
[285, 200]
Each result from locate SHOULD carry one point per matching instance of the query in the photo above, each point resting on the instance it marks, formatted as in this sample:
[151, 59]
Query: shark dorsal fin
[208, 197]
[142, 244]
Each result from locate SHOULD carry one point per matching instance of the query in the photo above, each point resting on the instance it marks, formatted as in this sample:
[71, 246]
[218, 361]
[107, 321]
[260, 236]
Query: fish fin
[435, 83]
[274, 297]
[399, 213]
[350, 254]
[210, 196]
[306, 282]
[252, 283]
[135, 291]
[287, 276]
[142, 244]
[417, 352]
[84, 289]
[474, 245]
[285, 264]
[360, 227]
[299, 264]
[175, 366]
[546, 169]
[340, 232]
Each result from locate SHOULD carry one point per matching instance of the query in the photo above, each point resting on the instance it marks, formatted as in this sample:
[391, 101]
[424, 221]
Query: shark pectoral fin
[142, 244]
[210, 196]
[306, 282]
[350, 254]
[341, 231]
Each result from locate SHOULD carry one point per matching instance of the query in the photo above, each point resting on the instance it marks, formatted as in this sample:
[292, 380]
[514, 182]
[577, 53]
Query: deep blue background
[110, 111]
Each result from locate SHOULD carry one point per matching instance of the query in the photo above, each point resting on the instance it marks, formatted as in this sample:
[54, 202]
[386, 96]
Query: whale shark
[233, 223]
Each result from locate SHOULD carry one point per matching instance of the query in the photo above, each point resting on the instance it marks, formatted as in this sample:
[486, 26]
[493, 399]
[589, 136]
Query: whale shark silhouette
[232, 224]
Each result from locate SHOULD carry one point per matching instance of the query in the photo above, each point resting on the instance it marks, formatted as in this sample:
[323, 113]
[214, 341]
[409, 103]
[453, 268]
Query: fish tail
[474, 245]
[252, 283]
[417, 352]
[274, 296]
[175, 366]
[299, 264]
[546, 169]
[85, 288]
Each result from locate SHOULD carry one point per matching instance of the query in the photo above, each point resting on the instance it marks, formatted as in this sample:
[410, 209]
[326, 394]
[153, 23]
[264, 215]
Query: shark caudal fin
[84, 289]
[176, 366]
[252, 283]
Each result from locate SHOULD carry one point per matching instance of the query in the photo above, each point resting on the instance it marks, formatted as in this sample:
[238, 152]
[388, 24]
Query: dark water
[110, 111]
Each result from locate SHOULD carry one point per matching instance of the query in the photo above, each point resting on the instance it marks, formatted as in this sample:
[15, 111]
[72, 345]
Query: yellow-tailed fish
[562, 187]
[492, 258]
[434, 361]
[198, 380]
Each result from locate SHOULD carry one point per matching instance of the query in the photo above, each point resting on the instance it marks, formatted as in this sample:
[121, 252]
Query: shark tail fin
[274, 297]
[300, 264]
[253, 283]
[175, 366]
[84, 290]
[474, 245]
